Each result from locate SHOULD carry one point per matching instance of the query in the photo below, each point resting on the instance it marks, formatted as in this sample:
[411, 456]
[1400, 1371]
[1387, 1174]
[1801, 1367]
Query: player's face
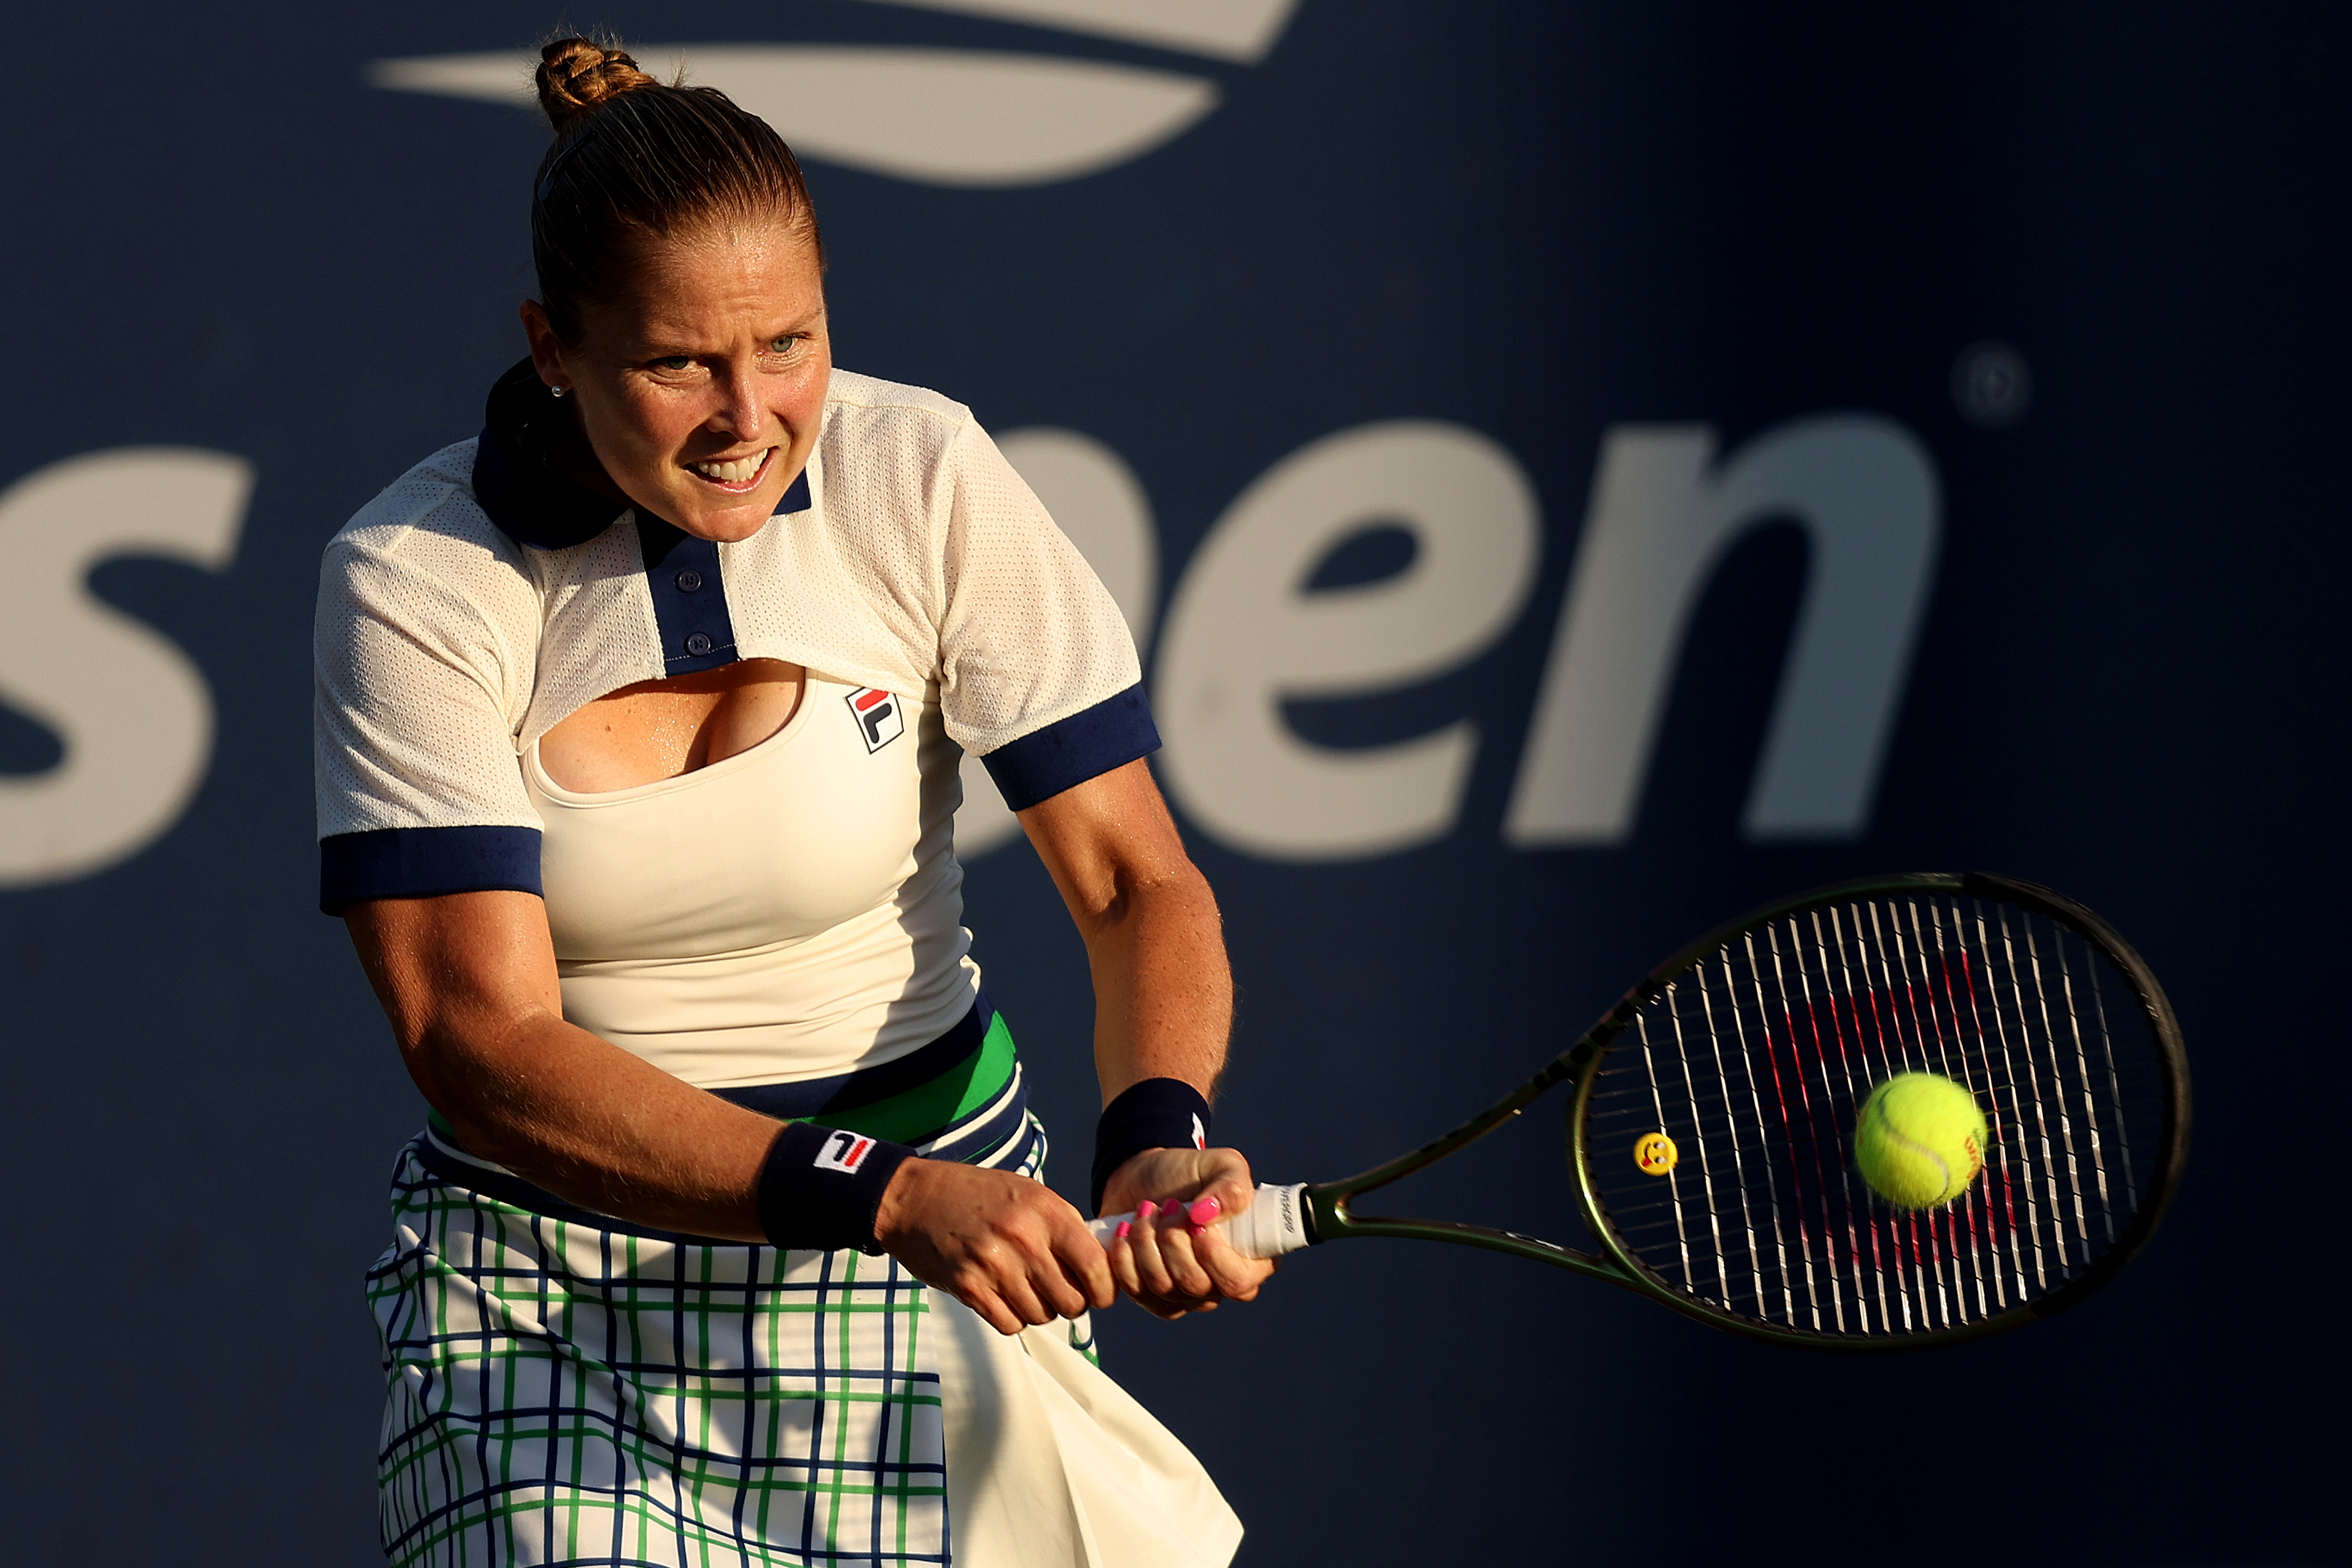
[701, 380]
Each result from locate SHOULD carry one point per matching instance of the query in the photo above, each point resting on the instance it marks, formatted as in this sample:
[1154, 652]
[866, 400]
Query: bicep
[1105, 840]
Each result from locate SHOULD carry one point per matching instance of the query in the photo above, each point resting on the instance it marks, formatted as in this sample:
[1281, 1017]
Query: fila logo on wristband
[1200, 1133]
[843, 1151]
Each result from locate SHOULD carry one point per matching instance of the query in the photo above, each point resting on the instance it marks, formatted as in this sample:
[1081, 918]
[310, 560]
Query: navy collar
[536, 477]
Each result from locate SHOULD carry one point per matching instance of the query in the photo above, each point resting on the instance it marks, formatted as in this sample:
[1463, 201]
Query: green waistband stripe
[917, 1114]
[912, 1115]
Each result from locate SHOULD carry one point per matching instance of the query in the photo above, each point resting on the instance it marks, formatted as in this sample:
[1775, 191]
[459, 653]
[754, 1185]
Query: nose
[740, 414]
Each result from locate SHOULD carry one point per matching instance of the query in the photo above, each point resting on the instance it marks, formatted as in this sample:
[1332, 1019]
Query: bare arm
[1163, 1008]
[468, 981]
[1163, 992]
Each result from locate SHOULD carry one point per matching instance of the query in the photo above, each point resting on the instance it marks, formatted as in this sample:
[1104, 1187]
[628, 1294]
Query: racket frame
[1331, 1206]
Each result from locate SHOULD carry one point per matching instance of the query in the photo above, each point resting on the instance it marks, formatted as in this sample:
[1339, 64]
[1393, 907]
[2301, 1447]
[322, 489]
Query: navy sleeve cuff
[821, 1188]
[1069, 751]
[424, 862]
[1157, 1114]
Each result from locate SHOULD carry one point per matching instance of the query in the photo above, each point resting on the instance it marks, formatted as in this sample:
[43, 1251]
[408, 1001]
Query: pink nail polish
[1205, 1211]
[1123, 1229]
[1146, 1209]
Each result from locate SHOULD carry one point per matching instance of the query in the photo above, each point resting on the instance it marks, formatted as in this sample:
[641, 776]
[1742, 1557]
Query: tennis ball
[1920, 1141]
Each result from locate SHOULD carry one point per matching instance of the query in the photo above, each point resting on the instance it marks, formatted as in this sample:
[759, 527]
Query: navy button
[698, 643]
[688, 580]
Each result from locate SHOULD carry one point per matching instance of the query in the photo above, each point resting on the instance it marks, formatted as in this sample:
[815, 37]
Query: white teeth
[733, 473]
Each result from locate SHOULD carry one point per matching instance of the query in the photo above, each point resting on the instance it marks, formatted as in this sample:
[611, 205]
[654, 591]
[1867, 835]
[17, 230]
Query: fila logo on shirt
[878, 716]
[1200, 1133]
[843, 1151]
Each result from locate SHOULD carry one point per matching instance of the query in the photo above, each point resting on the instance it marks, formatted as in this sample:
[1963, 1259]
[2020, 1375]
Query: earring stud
[555, 392]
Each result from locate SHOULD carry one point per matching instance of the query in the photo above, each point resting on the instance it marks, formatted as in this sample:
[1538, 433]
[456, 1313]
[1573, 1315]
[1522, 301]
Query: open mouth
[735, 474]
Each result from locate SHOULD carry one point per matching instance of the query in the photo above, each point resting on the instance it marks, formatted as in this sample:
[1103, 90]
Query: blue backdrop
[2074, 275]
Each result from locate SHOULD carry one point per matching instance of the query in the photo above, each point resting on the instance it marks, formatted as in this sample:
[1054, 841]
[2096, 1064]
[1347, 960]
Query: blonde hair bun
[578, 76]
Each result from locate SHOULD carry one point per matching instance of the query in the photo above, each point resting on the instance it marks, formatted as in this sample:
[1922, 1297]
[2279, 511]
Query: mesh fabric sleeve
[423, 653]
[1038, 672]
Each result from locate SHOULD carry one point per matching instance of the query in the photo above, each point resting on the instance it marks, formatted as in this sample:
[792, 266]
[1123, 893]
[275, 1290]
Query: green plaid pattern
[560, 1392]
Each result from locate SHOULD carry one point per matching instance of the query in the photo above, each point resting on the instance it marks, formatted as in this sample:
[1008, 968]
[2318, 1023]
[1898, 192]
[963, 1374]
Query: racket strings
[1755, 1060]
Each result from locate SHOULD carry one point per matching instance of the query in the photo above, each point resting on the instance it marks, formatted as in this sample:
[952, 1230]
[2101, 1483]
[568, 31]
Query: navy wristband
[820, 1187]
[1157, 1114]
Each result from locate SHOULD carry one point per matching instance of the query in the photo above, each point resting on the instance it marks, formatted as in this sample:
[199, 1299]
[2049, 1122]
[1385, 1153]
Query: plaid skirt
[562, 1389]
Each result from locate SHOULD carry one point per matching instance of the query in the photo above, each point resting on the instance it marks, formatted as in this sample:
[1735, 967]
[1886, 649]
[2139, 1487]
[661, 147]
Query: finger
[1119, 1251]
[991, 1312]
[1150, 1286]
[1054, 1288]
[1233, 1275]
[1050, 1280]
[1151, 1267]
[1228, 1191]
[1083, 1263]
[1190, 1281]
[1012, 1284]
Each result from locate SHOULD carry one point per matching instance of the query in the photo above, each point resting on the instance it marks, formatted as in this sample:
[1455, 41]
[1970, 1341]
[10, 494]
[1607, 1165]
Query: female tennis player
[638, 726]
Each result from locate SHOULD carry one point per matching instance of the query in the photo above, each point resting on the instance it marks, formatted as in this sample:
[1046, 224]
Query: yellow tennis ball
[1920, 1141]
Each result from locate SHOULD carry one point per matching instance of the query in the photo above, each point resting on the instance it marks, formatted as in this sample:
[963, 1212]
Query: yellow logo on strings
[1655, 1153]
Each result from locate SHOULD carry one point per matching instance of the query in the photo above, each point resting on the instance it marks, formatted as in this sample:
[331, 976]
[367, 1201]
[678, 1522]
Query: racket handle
[1274, 1223]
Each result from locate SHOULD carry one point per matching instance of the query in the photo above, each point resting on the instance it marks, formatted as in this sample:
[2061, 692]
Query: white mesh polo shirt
[491, 590]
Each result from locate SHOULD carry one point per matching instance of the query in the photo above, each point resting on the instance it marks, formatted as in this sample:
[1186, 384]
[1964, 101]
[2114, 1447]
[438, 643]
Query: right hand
[1169, 1261]
[1011, 1249]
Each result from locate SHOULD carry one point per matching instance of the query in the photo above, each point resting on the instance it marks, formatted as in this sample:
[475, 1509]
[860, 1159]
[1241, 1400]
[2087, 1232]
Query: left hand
[1173, 1260]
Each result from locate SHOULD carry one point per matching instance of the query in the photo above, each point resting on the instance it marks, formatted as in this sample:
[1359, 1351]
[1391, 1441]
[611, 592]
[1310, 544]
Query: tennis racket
[1711, 1111]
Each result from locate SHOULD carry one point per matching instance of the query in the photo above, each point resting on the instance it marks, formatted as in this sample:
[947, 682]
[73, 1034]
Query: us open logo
[939, 114]
[879, 717]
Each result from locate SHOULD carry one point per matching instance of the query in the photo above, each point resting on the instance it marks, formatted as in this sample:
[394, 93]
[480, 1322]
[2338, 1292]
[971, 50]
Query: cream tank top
[795, 910]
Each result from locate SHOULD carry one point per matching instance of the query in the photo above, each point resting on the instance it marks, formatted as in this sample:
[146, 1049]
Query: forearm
[1163, 995]
[1163, 1008]
[1163, 991]
[1164, 1003]
[597, 1126]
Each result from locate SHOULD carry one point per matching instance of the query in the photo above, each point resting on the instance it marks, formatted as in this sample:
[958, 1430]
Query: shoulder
[870, 398]
[877, 426]
[428, 523]
[424, 562]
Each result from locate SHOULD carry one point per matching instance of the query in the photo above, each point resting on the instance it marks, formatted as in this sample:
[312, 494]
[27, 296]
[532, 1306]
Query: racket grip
[1275, 1223]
